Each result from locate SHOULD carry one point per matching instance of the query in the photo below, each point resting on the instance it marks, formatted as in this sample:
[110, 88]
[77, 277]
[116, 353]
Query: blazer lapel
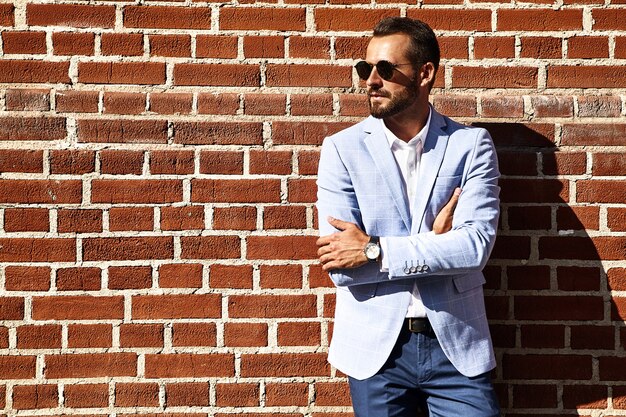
[378, 147]
[432, 157]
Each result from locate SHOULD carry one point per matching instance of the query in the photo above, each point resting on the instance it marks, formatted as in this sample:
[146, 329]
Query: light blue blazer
[359, 181]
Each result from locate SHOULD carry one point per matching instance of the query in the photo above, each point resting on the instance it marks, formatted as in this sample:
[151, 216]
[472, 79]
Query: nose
[374, 80]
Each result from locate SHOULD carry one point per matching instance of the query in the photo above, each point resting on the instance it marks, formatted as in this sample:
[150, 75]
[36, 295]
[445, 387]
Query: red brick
[529, 218]
[608, 19]
[351, 47]
[265, 104]
[133, 394]
[72, 43]
[572, 278]
[597, 134]
[31, 128]
[353, 105]
[309, 47]
[588, 47]
[172, 162]
[234, 218]
[218, 103]
[300, 334]
[609, 164]
[22, 42]
[494, 47]
[539, 20]
[89, 335]
[256, 18]
[218, 133]
[27, 278]
[599, 106]
[534, 190]
[37, 250]
[79, 278]
[494, 77]
[564, 163]
[21, 160]
[182, 218]
[235, 191]
[502, 106]
[82, 16]
[136, 191]
[210, 247]
[592, 337]
[78, 307]
[90, 365]
[118, 161]
[311, 104]
[284, 217]
[237, 395]
[124, 44]
[122, 131]
[535, 396]
[171, 103]
[584, 248]
[31, 397]
[282, 247]
[187, 394]
[180, 276]
[194, 334]
[39, 337]
[40, 191]
[532, 366]
[350, 19]
[18, 367]
[616, 279]
[616, 218]
[284, 365]
[130, 277]
[272, 306]
[165, 17]
[304, 133]
[517, 162]
[70, 101]
[270, 162]
[286, 394]
[142, 73]
[27, 99]
[141, 335]
[216, 46]
[176, 306]
[170, 45]
[536, 277]
[281, 276]
[598, 76]
[221, 162]
[453, 47]
[584, 396]
[86, 395]
[231, 276]
[451, 19]
[26, 220]
[7, 18]
[236, 75]
[308, 162]
[620, 46]
[601, 191]
[319, 278]
[128, 248]
[332, 394]
[543, 47]
[611, 368]
[455, 105]
[27, 71]
[553, 106]
[264, 46]
[302, 190]
[79, 220]
[124, 103]
[309, 75]
[131, 218]
[245, 334]
[511, 247]
[578, 218]
[189, 365]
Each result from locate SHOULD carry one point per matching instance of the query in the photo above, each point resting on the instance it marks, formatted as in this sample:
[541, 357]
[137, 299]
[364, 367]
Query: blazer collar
[432, 156]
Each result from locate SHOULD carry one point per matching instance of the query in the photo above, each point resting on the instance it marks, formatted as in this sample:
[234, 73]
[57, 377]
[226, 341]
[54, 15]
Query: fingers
[451, 205]
[339, 224]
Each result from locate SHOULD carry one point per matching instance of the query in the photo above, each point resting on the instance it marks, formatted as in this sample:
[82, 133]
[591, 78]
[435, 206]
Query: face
[391, 97]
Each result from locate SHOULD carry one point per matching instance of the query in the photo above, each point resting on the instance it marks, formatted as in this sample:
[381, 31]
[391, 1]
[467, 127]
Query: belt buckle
[419, 325]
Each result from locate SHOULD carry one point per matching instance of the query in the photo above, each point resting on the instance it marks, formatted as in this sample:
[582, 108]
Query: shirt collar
[420, 137]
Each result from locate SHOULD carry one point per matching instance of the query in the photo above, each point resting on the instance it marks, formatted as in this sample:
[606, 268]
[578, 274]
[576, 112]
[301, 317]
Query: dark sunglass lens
[385, 69]
[363, 69]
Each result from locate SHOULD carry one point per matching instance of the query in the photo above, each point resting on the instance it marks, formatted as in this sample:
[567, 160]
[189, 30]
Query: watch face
[372, 251]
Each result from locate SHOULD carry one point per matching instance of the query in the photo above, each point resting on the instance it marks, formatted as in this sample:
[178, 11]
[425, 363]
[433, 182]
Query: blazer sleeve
[468, 245]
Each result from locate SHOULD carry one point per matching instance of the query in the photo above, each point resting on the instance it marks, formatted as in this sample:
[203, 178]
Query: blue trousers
[418, 376]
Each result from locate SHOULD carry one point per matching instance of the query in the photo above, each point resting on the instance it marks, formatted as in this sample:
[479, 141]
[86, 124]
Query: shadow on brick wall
[547, 295]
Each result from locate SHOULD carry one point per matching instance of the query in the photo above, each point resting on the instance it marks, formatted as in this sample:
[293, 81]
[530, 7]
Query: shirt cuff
[384, 262]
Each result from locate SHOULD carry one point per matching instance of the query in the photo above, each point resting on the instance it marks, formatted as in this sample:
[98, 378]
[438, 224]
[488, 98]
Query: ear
[427, 74]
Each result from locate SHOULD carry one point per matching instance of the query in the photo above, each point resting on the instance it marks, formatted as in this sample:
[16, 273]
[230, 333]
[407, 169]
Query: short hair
[423, 47]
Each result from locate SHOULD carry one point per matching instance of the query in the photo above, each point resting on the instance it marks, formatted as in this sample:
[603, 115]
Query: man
[410, 327]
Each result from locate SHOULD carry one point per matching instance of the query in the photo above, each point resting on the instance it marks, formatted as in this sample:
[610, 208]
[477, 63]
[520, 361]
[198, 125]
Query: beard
[397, 103]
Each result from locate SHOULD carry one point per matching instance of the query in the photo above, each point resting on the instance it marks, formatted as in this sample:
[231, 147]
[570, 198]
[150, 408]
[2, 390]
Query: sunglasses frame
[383, 67]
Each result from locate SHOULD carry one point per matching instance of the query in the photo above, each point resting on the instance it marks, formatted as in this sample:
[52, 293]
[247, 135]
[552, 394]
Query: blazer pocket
[448, 182]
[363, 292]
[467, 282]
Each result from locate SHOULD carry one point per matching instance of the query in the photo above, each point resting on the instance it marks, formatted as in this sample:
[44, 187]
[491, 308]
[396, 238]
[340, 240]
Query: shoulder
[351, 136]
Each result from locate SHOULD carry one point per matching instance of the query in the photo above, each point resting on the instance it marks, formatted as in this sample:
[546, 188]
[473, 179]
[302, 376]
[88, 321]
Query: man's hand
[443, 221]
[343, 249]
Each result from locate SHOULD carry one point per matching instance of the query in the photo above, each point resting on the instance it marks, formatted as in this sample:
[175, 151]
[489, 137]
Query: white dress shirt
[407, 156]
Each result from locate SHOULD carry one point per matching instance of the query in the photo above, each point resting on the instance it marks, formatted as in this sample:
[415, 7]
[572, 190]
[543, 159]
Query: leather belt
[419, 325]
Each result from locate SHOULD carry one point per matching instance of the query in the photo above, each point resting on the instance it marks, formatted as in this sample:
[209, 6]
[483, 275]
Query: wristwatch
[372, 249]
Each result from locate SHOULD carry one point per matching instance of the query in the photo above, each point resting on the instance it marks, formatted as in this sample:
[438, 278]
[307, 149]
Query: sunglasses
[384, 69]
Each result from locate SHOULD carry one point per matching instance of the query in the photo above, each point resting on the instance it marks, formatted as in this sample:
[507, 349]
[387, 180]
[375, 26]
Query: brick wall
[157, 181]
